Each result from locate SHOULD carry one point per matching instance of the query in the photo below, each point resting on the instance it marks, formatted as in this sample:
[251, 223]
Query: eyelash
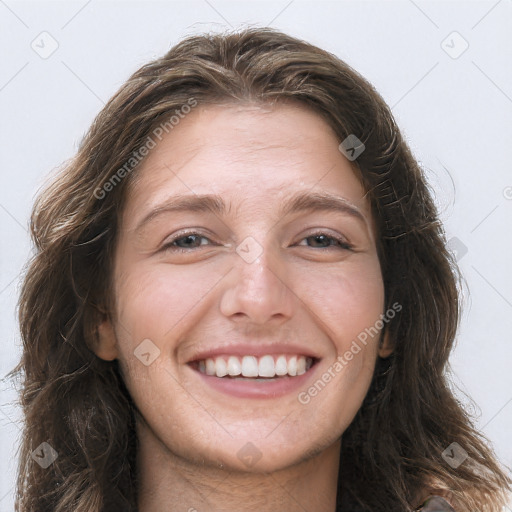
[343, 245]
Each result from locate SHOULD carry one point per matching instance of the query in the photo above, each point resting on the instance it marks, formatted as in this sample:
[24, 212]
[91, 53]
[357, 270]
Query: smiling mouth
[254, 368]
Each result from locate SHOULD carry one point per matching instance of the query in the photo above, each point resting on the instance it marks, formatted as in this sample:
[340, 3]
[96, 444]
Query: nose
[258, 292]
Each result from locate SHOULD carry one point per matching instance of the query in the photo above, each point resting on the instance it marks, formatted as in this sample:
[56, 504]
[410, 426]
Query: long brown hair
[77, 403]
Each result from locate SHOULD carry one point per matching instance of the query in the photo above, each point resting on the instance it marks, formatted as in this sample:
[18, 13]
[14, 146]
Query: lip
[253, 349]
[251, 388]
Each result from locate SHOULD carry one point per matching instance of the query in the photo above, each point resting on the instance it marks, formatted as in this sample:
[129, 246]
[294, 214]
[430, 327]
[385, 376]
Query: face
[245, 269]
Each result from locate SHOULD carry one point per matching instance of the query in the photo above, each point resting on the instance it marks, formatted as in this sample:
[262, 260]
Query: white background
[455, 113]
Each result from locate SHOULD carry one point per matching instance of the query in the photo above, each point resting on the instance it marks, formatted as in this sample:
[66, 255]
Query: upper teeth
[251, 366]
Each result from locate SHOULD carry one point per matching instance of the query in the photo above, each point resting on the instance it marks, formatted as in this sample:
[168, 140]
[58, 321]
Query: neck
[169, 483]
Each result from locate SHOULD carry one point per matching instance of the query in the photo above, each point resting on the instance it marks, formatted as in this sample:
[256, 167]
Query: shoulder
[435, 504]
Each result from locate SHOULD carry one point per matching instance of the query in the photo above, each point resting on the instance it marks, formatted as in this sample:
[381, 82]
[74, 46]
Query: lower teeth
[261, 379]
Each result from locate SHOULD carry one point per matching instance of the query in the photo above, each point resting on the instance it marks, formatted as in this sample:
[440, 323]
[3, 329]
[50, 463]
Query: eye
[192, 240]
[185, 241]
[323, 241]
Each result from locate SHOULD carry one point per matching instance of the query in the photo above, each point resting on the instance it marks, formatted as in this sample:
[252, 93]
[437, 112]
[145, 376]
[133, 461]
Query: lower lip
[273, 388]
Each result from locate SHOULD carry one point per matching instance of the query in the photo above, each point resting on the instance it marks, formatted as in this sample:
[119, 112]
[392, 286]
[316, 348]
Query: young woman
[241, 299]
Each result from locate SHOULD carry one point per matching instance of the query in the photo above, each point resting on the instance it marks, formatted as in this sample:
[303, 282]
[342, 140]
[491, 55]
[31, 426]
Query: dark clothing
[431, 504]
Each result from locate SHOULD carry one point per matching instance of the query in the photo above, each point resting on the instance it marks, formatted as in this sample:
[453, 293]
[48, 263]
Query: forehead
[253, 155]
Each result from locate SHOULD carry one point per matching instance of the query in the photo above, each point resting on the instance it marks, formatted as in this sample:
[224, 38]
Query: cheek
[156, 306]
[156, 301]
[349, 305]
[349, 300]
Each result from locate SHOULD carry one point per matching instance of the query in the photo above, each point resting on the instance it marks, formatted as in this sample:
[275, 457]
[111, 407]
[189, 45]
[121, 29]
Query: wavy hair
[391, 455]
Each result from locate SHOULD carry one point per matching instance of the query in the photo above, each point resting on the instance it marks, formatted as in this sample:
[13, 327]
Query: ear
[385, 345]
[106, 342]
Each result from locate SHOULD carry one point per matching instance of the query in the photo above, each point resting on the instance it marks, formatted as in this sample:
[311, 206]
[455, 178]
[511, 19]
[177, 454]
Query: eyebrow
[300, 202]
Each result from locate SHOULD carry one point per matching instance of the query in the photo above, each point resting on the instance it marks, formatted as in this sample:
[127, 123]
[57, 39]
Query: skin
[299, 290]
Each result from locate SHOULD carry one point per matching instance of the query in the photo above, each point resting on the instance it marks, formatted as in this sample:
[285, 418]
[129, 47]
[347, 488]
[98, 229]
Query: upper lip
[253, 349]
